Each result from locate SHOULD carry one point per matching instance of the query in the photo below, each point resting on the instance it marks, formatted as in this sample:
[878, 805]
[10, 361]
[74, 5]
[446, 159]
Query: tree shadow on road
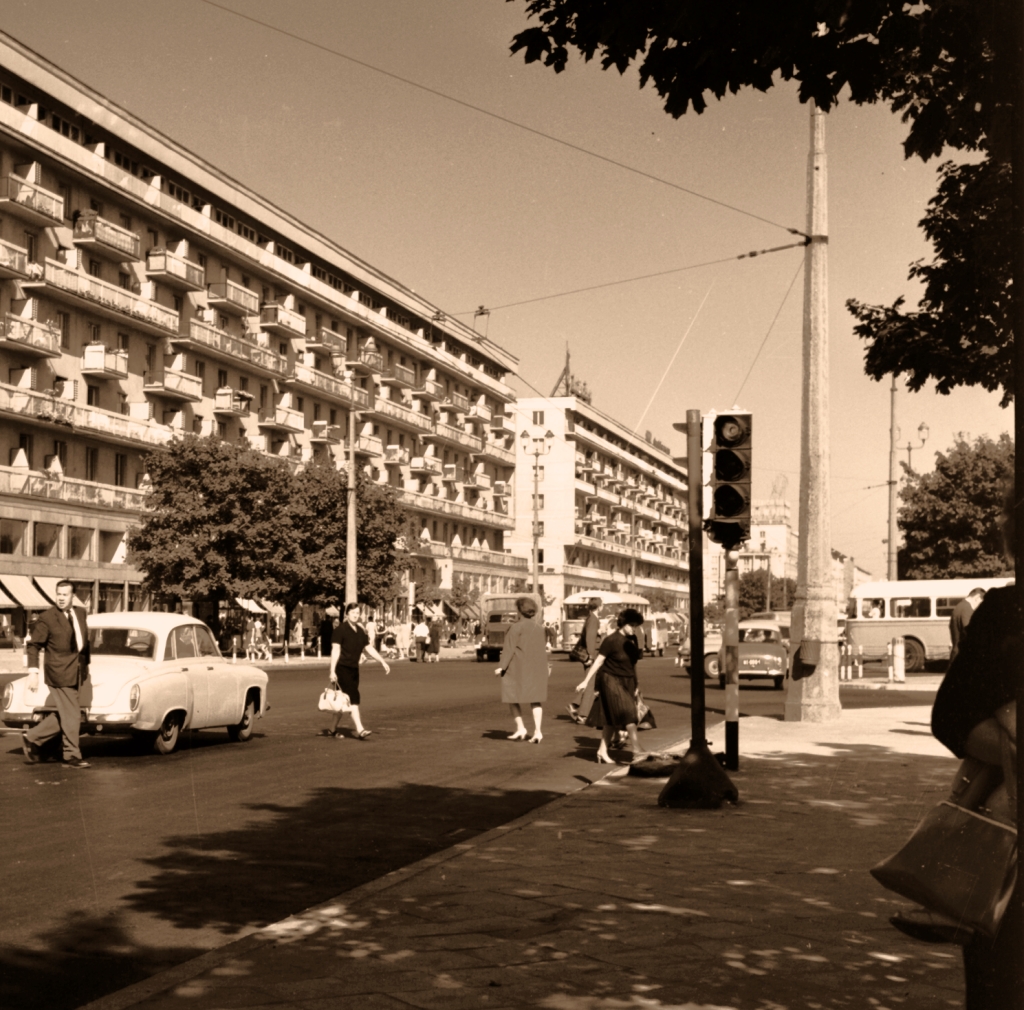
[285, 860]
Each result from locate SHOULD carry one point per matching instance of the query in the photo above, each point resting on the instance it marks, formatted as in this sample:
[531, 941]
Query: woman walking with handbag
[615, 673]
[348, 644]
[524, 670]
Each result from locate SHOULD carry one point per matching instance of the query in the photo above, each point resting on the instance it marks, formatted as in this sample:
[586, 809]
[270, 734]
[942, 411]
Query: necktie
[74, 637]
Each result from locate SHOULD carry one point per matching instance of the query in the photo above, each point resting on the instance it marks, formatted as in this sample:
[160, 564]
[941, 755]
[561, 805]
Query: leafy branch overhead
[941, 66]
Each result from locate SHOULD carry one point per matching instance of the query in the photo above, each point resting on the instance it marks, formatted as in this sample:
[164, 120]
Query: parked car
[152, 675]
[763, 653]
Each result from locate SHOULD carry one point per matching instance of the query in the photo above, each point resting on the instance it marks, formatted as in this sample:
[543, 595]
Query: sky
[468, 210]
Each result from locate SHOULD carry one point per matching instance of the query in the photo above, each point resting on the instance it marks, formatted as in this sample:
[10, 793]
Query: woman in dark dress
[615, 669]
[975, 713]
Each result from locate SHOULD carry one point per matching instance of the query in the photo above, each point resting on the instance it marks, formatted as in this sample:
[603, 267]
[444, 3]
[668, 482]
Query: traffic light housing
[728, 443]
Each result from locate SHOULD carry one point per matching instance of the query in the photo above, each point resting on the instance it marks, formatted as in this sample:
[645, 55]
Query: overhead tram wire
[505, 119]
[642, 277]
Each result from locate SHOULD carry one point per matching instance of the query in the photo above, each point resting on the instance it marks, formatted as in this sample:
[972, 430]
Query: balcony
[104, 424]
[104, 238]
[13, 261]
[29, 337]
[396, 455]
[396, 410]
[368, 446]
[481, 412]
[452, 474]
[454, 402]
[479, 481]
[494, 451]
[425, 466]
[228, 402]
[23, 199]
[276, 448]
[327, 434]
[86, 291]
[275, 318]
[434, 549]
[327, 342]
[447, 434]
[281, 419]
[225, 347]
[365, 361]
[399, 376]
[233, 298]
[170, 384]
[306, 379]
[69, 489]
[428, 389]
[434, 505]
[99, 363]
[501, 489]
[174, 271]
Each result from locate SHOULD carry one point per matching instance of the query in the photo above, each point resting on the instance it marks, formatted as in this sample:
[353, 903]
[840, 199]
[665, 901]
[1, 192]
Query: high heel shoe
[536, 738]
[518, 735]
[604, 759]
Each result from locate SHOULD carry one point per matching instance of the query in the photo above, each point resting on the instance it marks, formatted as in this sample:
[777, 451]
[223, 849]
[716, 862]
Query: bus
[916, 610]
[499, 612]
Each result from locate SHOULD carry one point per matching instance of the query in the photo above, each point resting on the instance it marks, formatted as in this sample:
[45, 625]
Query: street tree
[949, 518]
[942, 66]
[754, 593]
[216, 523]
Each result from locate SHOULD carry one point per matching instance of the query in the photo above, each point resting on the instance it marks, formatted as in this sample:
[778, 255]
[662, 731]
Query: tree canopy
[942, 66]
[950, 518]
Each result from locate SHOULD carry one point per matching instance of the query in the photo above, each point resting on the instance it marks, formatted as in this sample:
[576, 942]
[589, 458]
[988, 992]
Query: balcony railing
[399, 411]
[431, 503]
[275, 318]
[282, 419]
[330, 385]
[229, 402]
[425, 465]
[481, 412]
[29, 337]
[365, 360]
[327, 434]
[439, 550]
[173, 385]
[326, 341]
[175, 271]
[396, 455]
[494, 449]
[13, 260]
[368, 445]
[233, 298]
[106, 238]
[27, 200]
[99, 362]
[232, 349]
[428, 389]
[454, 436]
[455, 401]
[398, 375]
[116, 427]
[101, 294]
[69, 489]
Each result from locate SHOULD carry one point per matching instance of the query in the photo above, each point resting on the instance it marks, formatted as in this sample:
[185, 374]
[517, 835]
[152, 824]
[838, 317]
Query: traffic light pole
[731, 655]
[698, 780]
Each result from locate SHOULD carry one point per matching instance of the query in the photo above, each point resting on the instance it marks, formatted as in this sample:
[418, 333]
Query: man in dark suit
[961, 617]
[62, 631]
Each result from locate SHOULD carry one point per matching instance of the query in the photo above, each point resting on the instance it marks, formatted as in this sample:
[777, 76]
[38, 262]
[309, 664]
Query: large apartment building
[145, 294]
[610, 504]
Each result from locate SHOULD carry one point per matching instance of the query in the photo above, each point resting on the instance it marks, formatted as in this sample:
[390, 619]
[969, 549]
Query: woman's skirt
[348, 681]
[615, 704]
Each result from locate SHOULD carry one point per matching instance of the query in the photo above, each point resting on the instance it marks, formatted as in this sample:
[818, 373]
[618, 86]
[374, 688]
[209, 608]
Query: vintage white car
[153, 675]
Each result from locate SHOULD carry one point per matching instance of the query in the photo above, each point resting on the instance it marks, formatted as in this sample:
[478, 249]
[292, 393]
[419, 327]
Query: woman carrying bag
[524, 670]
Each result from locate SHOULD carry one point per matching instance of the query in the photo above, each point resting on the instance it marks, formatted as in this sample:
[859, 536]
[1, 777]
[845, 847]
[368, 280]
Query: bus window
[918, 606]
[872, 608]
[945, 605]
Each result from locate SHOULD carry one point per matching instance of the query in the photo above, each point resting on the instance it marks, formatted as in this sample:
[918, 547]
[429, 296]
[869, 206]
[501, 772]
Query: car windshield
[122, 642]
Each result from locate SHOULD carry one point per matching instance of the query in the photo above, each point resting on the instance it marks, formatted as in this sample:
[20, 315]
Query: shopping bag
[644, 715]
[579, 653]
[334, 701]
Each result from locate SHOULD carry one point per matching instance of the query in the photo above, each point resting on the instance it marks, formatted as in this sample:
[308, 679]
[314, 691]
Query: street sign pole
[731, 656]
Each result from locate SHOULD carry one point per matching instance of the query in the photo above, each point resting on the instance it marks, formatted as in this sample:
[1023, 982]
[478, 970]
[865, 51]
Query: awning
[275, 609]
[48, 584]
[251, 605]
[605, 596]
[21, 588]
[6, 603]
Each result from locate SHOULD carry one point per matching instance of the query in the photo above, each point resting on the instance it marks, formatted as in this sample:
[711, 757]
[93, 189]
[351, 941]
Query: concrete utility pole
[813, 694]
[351, 586]
[890, 568]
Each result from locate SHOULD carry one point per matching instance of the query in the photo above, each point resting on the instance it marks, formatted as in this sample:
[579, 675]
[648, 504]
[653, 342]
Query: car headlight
[8, 696]
[133, 697]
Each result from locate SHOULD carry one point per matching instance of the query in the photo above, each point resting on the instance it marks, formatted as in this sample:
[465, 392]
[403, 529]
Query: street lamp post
[536, 447]
[923, 432]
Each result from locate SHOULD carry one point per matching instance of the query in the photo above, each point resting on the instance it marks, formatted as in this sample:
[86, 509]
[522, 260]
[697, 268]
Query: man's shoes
[77, 763]
[931, 927]
[30, 750]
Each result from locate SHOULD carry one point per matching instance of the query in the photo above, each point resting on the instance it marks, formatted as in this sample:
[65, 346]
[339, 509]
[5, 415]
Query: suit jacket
[961, 617]
[65, 667]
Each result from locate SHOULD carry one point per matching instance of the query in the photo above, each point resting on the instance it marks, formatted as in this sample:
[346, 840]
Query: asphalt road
[113, 873]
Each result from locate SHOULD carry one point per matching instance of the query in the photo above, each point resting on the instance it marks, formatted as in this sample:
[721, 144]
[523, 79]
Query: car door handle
[210, 668]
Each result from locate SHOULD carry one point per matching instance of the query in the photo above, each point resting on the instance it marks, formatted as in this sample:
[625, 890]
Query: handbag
[334, 701]
[644, 715]
[579, 651]
[958, 862]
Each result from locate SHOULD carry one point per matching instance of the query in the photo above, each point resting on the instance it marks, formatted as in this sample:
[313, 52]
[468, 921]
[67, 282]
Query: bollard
[888, 653]
[899, 661]
[860, 661]
[843, 667]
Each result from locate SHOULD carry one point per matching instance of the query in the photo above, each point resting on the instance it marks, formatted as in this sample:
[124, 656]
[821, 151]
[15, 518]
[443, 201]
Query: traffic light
[728, 443]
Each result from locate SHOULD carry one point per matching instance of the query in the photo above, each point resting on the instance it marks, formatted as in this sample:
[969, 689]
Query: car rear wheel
[167, 736]
[243, 731]
[711, 665]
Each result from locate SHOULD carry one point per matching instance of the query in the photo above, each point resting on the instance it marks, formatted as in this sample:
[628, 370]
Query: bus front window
[872, 608]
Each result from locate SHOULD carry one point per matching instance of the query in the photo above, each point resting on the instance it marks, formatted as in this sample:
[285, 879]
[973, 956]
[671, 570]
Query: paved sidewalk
[602, 900]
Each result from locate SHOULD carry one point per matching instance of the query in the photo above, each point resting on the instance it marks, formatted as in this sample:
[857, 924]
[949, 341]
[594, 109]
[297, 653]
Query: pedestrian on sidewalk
[349, 643]
[420, 638]
[961, 617]
[63, 632]
[579, 709]
[434, 645]
[615, 674]
[525, 670]
[975, 713]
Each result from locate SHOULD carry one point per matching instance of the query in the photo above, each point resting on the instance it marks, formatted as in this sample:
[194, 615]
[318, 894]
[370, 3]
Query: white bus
[918, 611]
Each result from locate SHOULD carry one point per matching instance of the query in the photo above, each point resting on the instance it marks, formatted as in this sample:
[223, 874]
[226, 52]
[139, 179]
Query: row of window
[93, 459]
[23, 538]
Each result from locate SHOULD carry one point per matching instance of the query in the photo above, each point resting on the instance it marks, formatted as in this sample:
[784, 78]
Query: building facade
[144, 294]
[610, 505]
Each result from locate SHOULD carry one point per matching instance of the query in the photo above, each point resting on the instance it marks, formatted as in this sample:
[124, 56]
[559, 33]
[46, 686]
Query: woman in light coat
[524, 670]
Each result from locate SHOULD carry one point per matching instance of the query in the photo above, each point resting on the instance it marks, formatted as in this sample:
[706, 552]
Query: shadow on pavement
[285, 860]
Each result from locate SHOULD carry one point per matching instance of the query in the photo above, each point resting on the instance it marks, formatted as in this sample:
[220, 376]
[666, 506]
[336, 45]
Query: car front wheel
[711, 665]
[243, 731]
[167, 736]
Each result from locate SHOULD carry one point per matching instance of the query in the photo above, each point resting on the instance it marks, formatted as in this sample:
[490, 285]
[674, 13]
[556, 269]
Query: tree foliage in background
[940, 65]
[754, 593]
[950, 518]
[225, 521]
